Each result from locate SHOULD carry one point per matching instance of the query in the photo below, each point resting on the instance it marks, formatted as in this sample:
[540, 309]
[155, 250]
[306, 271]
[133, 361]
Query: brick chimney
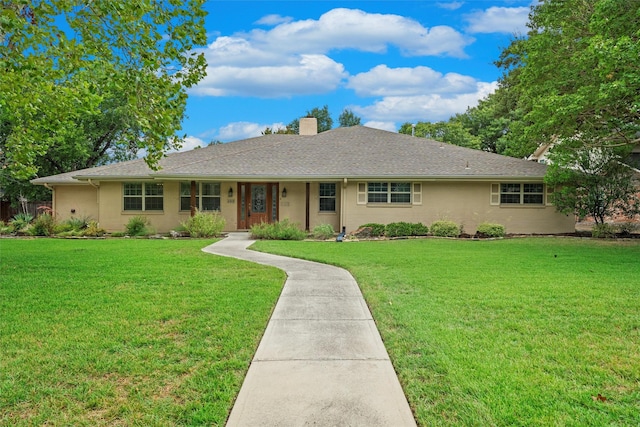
[308, 126]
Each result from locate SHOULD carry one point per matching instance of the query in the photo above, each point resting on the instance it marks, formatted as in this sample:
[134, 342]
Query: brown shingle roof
[355, 152]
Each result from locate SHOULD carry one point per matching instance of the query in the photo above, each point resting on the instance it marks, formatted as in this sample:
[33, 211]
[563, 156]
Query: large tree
[325, 122]
[348, 118]
[577, 80]
[85, 80]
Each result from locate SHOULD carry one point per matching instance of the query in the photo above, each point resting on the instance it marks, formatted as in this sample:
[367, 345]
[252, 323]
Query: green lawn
[535, 331]
[126, 332]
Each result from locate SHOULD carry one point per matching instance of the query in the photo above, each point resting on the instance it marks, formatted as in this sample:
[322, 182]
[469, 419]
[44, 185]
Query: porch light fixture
[230, 194]
[284, 192]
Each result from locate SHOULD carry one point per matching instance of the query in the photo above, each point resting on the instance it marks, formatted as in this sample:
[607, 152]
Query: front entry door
[258, 204]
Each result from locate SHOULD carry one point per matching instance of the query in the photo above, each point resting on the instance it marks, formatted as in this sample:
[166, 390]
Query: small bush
[419, 229]
[20, 221]
[487, 229]
[76, 223]
[93, 230]
[43, 225]
[603, 231]
[283, 230]
[397, 229]
[5, 229]
[138, 225]
[377, 230]
[445, 229]
[118, 234]
[627, 228]
[323, 231]
[205, 224]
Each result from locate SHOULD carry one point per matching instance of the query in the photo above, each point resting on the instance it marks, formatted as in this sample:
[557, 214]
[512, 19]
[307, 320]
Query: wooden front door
[258, 204]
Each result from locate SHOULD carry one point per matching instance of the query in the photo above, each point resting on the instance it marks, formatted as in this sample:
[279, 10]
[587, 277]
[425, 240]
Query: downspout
[343, 200]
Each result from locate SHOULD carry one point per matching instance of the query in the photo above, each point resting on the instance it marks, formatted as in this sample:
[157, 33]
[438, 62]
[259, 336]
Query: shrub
[205, 224]
[118, 234]
[397, 229]
[419, 229]
[43, 225]
[377, 230]
[5, 229]
[487, 229]
[93, 230]
[138, 225]
[627, 228]
[283, 230]
[76, 223]
[20, 221]
[323, 231]
[445, 229]
[603, 231]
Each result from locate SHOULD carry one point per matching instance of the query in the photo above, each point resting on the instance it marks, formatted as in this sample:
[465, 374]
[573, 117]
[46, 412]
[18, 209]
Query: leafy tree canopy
[348, 118]
[325, 122]
[81, 80]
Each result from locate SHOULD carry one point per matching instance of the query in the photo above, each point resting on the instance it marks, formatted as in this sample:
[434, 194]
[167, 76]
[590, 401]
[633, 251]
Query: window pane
[400, 198]
[210, 189]
[533, 199]
[377, 187]
[327, 190]
[327, 204]
[377, 198]
[133, 189]
[153, 203]
[185, 203]
[533, 188]
[400, 187]
[133, 203]
[185, 189]
[210, 203]
[153, 189]
[510, 188]
[510, 198]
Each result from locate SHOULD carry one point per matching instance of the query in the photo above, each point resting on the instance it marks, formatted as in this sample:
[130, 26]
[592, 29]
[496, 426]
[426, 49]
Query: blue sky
[390, 62]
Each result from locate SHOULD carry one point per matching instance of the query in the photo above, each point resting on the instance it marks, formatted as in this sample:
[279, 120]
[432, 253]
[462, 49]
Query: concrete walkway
[321, 361]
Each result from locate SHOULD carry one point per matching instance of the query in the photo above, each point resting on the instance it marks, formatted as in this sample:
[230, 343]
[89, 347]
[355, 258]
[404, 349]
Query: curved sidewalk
[321, 360]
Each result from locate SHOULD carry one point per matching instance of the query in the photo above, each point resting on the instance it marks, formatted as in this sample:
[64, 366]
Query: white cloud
[424, 107]
[312, 74]
[242, 130]
[273, 20]
[385, 81]
[509, 20]
[450, 6]
[369, 32]
[390, 126]
[293, 57]
[188, 143]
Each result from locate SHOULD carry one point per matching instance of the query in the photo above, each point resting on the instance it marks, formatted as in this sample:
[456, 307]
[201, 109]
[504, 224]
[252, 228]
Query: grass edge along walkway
[534, 331]
[131, 332]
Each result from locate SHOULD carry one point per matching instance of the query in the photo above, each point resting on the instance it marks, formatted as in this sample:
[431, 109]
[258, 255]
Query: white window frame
[144, 197]
[498, 191]
[414, 190]
[322, 197]
[199, 195]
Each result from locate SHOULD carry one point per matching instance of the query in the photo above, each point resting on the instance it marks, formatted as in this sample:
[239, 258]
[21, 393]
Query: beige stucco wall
[79, 201]
[114, 218]
[466, 203]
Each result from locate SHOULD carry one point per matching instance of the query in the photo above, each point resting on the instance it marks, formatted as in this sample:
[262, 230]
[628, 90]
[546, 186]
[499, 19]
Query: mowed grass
[126, 332]
[527, 332]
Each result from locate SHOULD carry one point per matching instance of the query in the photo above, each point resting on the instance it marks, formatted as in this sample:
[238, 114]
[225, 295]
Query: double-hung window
[143, 196]
[521, 194]
[389, 192]
[207, 196]
[327, 193]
